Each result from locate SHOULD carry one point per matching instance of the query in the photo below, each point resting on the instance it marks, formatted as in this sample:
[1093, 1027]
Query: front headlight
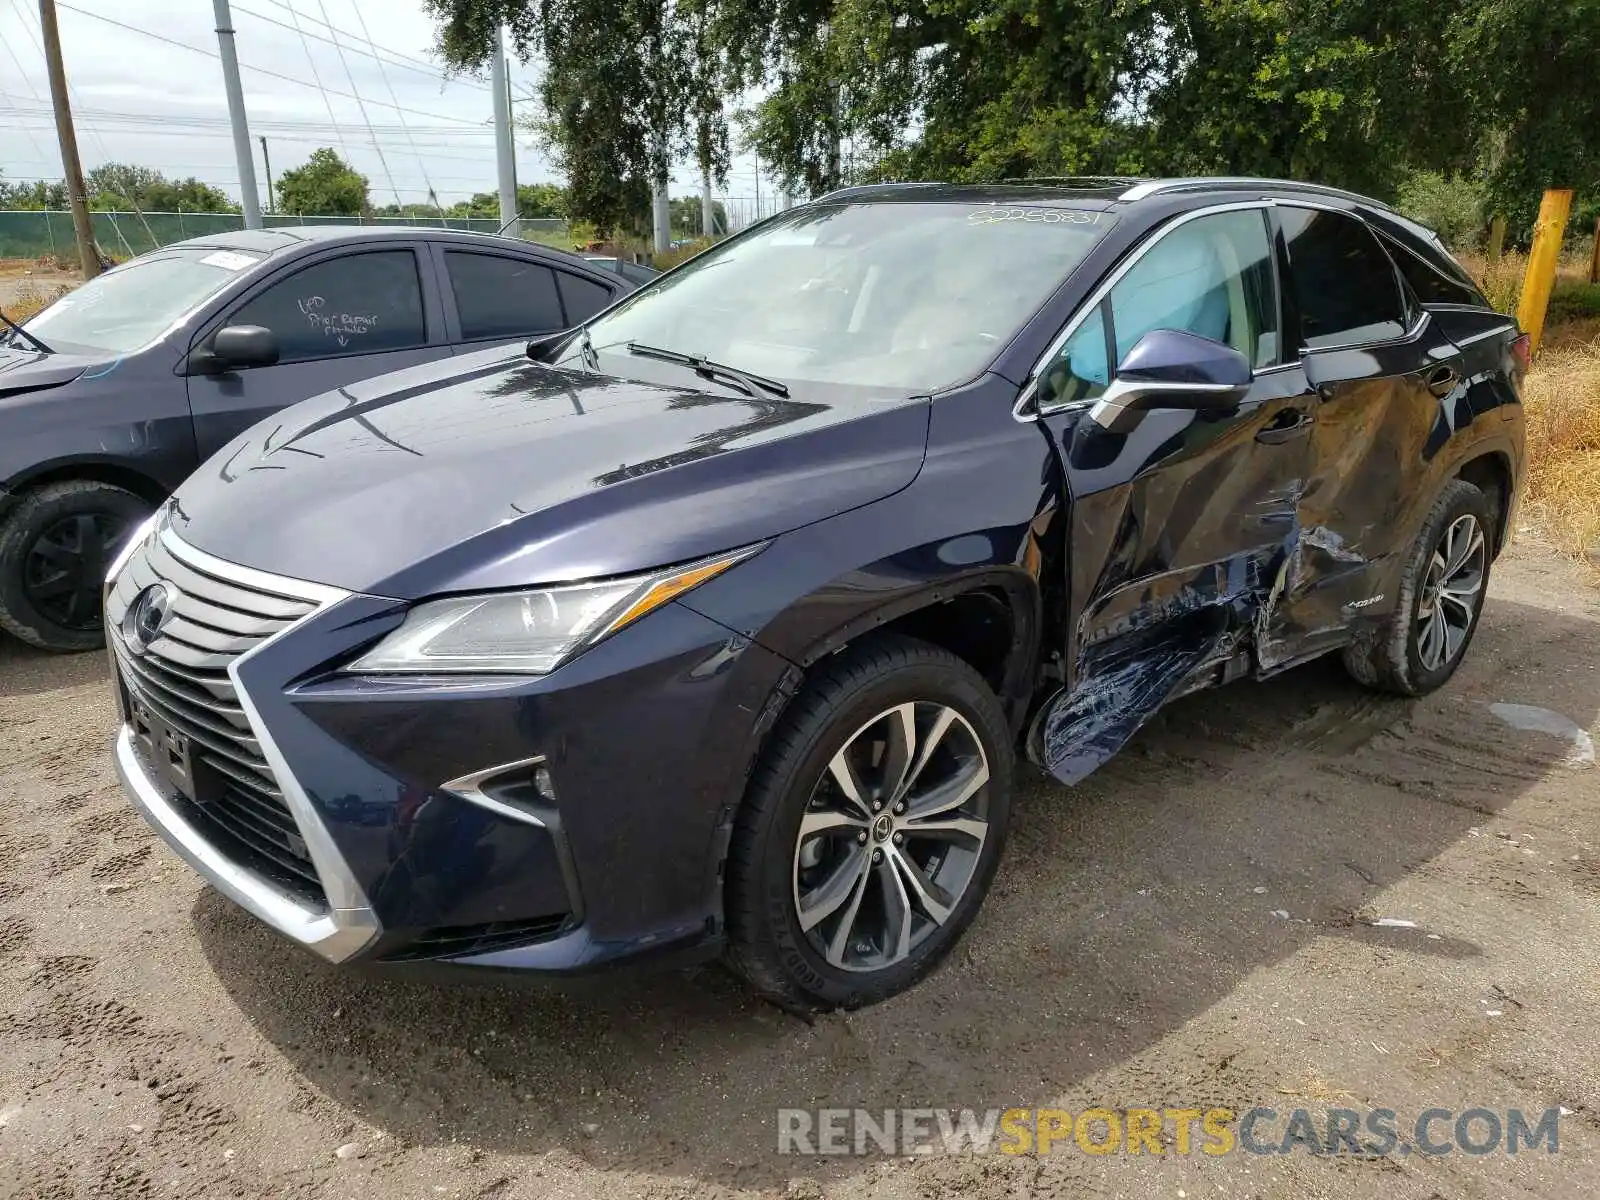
[529, 633]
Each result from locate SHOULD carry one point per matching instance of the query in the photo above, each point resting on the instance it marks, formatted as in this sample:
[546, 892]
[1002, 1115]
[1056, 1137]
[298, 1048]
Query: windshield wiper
[701, 365]
[19, 331]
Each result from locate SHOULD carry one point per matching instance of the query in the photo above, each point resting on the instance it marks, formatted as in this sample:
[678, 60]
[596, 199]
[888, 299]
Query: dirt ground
[158, 1042]
[24, 279]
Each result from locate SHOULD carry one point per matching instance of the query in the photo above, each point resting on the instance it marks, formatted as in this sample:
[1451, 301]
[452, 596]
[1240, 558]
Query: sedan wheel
[892, 837]
[66, 568]
[56, 542]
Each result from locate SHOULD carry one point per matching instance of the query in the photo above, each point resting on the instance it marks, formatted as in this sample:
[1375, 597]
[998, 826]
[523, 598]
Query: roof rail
[1077, 181]
[1156, 186]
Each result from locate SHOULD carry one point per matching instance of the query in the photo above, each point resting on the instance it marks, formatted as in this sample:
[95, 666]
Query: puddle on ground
[1546, 720]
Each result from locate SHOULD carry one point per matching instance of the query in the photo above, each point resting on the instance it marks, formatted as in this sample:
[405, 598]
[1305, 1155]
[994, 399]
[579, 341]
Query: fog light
[523, 791]
[543, 785]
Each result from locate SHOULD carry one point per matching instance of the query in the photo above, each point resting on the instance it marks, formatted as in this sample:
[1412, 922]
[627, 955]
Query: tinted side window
[1344, 282]
[1211, 276]
[355, 304]
[583, 297]
[1430, 283]
[1080, 370]
[502, 297]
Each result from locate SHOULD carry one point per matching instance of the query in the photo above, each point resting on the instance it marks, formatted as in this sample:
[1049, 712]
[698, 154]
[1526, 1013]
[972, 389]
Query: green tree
[124, 186]
[35, 194]
[325, 185]
[624, 87]
[1528, 69]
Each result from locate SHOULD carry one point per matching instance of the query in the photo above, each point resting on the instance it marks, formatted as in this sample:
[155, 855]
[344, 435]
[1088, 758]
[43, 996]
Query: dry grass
[1562, 399]
[30, 296]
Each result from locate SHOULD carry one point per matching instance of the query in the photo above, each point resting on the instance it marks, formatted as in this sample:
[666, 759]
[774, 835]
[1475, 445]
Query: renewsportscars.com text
[1374, 1132]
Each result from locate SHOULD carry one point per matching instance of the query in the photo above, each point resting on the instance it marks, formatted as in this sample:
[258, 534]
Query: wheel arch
[1489, 470]
[991, 619]
[95, 470]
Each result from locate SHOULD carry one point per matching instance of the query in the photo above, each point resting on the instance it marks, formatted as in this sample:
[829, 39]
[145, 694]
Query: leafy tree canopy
[323, 184]
[124, 186]
[1497, 94]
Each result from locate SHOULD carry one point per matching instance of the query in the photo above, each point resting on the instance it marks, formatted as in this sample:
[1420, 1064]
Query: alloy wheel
[1452, 590]
[892, 836]
[65, 568]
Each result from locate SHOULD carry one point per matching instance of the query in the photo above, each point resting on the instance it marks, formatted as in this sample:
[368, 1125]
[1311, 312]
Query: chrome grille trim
[190, 677]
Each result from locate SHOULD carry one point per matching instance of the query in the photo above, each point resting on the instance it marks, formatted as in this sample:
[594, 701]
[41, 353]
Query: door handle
[1443, 381]
[1289, 424]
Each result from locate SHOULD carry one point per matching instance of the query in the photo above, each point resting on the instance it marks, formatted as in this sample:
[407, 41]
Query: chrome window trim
[1474, 339]
[1412, 332]
[348, 924]
[1096, 297]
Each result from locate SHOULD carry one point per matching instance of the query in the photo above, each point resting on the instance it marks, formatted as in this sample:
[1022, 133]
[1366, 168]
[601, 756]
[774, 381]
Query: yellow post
[1497, 237]
[1541, 276]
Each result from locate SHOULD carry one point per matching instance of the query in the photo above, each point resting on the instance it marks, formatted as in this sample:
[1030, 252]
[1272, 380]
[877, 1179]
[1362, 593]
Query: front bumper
[405, 810]
[335, 935]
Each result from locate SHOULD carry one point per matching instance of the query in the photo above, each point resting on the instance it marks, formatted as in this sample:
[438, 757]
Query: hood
[30, 371]
[460, 476]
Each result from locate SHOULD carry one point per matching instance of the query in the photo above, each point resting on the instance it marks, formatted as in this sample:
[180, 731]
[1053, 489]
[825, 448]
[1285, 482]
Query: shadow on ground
[25, 671]
[1124, 908]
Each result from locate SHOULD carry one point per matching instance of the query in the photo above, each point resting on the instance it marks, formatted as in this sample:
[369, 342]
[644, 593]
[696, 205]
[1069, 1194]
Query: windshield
[131, 306]
[903, 296]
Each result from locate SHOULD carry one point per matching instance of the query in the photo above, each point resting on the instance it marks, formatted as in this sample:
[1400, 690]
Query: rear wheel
[1441, 598]
[872, 828]
[55, 546]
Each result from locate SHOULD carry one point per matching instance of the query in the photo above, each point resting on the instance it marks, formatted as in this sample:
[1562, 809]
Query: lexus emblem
[148, 616]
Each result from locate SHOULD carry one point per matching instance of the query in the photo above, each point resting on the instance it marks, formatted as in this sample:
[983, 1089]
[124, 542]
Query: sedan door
[342, 317]
[1180, 528]
[493, 295]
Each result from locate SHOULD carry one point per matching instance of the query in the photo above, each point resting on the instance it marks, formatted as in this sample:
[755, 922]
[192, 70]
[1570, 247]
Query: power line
[432, 68]
[367, 33]
[362, 108]
[433, 72]
[247, 67]
[312, 63]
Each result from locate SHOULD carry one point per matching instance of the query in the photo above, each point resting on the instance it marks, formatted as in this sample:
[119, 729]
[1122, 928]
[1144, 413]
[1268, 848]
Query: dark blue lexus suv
[713, 625]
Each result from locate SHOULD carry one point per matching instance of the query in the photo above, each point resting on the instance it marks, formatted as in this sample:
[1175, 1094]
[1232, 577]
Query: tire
[855, 703]
[1401, 655]
[62, 536]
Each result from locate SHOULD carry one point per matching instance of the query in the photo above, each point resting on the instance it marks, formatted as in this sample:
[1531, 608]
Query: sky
[146, 87]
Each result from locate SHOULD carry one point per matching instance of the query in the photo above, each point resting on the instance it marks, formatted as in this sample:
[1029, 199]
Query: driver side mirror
[1171, 368]
[235, 346]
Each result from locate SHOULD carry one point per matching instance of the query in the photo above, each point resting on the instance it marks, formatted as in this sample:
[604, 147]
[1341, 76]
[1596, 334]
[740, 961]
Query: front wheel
[55, 546]
[1442, 590]
[872, 828]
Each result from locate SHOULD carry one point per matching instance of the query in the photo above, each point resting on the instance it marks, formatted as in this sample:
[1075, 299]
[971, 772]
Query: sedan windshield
[908, 297]
[131, 306]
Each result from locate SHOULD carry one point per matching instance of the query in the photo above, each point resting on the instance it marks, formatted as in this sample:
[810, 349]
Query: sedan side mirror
[233, 347]
[1170, 368]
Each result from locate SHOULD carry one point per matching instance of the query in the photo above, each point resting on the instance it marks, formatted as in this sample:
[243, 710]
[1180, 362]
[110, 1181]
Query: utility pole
[248, 199]
[708, 227]
[1540, 276]
[77, 194]
[505, 152]
[267, 162]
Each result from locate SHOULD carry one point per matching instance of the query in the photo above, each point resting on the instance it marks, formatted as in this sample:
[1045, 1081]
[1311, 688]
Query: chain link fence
[34, 233]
